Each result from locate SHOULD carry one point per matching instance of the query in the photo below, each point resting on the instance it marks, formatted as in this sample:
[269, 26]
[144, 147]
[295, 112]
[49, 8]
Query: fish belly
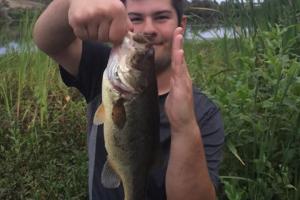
[131, 144]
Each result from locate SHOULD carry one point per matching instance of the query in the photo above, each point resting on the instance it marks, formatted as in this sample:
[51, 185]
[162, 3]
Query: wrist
[182, 128]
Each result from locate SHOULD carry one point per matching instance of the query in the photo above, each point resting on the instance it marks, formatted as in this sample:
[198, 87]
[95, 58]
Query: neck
[163, 81]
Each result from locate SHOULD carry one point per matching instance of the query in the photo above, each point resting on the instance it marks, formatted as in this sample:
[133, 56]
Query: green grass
[258, 90]
[255, 80]
[43, 141]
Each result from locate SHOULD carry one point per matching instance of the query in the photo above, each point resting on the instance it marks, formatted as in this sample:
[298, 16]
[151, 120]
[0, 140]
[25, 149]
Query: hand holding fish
[179, 103]
[100, 20]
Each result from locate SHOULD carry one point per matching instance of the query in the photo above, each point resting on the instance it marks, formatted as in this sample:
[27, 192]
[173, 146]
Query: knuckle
[75, 19]
[93, 37]
[118, 7]
[92, 13]
[103, 35]
[84, 15]
[79, 18]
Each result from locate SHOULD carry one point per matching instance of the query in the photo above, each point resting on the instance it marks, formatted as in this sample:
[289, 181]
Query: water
[193, 32]
[11, 46]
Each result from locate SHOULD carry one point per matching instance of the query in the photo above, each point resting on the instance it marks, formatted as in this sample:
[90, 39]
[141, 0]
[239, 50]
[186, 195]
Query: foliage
[42, 141]
[253, 77]
[257, 87]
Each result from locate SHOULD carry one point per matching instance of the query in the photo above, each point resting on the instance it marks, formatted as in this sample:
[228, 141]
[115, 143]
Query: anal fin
[109, 177]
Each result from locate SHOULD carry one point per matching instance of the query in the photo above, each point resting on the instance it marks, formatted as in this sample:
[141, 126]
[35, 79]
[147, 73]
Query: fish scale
[130, 116]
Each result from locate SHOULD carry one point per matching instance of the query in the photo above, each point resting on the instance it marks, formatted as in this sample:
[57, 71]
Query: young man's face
[158, 20]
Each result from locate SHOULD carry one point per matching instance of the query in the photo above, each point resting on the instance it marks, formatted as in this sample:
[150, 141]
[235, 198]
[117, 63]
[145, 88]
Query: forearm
[52, 32]
[187, 173]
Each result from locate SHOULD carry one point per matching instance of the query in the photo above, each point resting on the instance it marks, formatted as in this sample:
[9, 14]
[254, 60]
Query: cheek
[167, 29]
[167, 32]
[137, 28]
[163, 51]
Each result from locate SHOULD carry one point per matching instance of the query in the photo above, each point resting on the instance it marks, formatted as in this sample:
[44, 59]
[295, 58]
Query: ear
[183, 22]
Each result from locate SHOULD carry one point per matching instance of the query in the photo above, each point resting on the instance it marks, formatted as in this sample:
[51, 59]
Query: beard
[162, 49]
[162, 64]
[163, 60]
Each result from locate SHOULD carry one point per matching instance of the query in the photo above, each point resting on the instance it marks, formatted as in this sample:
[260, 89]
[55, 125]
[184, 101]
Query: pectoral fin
[99, 115]
[109, 178]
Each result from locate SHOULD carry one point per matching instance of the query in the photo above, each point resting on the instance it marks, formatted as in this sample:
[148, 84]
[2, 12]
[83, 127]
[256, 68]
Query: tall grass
[42, 140]
[253, 77]
[259, 95]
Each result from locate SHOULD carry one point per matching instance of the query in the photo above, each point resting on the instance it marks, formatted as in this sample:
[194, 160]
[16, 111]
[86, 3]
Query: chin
[162, 64]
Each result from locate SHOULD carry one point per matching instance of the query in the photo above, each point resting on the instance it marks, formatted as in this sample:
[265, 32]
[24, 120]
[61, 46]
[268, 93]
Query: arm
[60, 29]
[187, 174]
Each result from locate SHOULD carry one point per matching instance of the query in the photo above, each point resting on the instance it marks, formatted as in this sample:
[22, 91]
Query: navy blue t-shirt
[93, 62]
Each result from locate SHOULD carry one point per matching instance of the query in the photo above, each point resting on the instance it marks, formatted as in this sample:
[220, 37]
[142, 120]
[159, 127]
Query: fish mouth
[112, 74]
[128, 64]
[120, 82]
[142, 61]
[122, 89]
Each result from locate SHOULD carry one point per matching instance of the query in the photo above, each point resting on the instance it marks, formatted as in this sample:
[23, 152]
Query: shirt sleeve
[93, 61]
[212, 131]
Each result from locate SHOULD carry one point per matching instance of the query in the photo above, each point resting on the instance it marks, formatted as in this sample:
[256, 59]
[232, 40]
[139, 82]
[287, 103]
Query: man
[72, 32]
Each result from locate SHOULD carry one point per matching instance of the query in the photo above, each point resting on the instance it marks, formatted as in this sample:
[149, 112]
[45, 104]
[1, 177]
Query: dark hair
[178, 5]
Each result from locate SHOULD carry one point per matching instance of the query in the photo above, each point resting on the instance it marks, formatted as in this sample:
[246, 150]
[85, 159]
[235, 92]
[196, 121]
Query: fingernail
[180, 30]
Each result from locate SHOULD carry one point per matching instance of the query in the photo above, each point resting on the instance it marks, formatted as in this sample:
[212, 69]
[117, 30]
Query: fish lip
[139, 65]
[146, 50]
[150, 52]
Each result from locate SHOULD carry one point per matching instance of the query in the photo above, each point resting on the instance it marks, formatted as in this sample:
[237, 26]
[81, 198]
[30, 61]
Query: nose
[149, 29]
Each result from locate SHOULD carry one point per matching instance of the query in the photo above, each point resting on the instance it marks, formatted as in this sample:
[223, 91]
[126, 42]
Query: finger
[92, 30]
[178, 66]
[180, 69]
[185, 68]
[103, 31]
[118, 30]
[130, 25]
[172, 85]
[176, 44]
[81, 32]
[177, 40]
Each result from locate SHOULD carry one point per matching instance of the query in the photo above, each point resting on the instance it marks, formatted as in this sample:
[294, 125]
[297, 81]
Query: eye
[136, 19]
[161, 17]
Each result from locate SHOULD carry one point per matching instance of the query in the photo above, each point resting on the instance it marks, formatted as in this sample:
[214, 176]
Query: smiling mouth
[157, 43]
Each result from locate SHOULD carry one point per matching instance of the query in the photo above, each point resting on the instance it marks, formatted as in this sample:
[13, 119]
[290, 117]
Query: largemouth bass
[130, 113]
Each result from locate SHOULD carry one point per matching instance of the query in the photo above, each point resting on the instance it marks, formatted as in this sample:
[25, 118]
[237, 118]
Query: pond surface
[10, 46]
[193, 32]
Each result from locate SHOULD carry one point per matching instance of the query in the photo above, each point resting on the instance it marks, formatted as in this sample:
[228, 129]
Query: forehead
[148, 6]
